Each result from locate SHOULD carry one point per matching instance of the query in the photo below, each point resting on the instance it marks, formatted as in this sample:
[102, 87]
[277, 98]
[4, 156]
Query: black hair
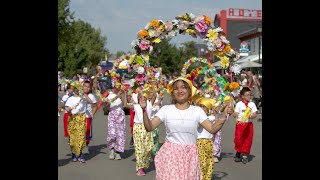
[244, 90]
[68, 86]
[87, 82]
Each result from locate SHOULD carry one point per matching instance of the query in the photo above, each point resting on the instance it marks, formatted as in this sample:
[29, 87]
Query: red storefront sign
[244, 13]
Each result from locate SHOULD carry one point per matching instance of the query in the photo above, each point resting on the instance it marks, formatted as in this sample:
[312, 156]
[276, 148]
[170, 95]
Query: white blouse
[181, 125]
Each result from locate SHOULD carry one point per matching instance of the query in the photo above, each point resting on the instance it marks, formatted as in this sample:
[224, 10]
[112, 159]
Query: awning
[250, 58]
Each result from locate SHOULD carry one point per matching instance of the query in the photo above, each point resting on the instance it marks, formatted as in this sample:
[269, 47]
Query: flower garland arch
[196, 26]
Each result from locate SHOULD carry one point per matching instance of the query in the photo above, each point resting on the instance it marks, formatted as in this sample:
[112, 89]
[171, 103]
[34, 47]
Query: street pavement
[99, 167]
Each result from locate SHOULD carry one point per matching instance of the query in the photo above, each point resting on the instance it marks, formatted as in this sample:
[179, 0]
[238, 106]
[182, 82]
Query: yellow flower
[225, 62]
[161, 27]
[132, 59]
[219, 54]
[234, 85]
[154, 23]
[212, 34]
[143, 33]
[190, 31]
[156, 40]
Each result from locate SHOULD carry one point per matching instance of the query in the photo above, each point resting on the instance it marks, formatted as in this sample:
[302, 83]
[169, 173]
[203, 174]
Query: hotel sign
[244, 13]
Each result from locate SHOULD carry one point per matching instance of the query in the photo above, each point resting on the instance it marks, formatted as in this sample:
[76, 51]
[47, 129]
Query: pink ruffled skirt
[177, 162]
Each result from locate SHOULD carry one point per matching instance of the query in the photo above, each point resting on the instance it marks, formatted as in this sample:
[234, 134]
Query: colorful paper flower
[144, 44]
[143, 33]
[234, 86]
[154, 23]
[212, 34]
[236, 69]
[201, 26]
[225, 62]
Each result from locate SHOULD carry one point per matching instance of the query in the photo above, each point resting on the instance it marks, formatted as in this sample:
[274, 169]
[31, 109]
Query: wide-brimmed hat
[207, 102]
[193, 89]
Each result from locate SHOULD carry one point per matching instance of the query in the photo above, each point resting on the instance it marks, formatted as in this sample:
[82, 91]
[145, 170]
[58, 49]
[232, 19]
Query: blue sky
[120, 20]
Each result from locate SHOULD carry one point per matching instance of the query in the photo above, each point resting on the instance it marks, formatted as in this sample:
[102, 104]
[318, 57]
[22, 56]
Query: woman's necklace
[182, 119]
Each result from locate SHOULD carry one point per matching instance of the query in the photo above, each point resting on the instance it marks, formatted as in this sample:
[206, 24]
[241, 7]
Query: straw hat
[207, 102]
[193, 89]
[196, 99]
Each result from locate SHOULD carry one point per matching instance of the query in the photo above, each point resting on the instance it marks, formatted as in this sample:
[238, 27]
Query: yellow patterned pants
[77, 133]
[143, 144]
[205, 151]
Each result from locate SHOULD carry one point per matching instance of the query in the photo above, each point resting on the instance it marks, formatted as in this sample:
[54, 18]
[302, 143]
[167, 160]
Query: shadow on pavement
[250, 157]
[63, 162]
[127, 153]
[218, 175]
[226, 155]
[95, 150]
[152, 167]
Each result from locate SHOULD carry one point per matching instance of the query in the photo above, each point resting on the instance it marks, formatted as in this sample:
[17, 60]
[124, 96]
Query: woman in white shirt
[76, 107]
[178, 156]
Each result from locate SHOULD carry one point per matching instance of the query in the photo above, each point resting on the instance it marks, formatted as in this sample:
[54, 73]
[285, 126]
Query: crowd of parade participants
[193, 122]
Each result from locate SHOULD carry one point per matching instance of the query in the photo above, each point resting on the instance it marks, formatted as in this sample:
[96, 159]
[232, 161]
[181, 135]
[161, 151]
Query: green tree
[120, 53]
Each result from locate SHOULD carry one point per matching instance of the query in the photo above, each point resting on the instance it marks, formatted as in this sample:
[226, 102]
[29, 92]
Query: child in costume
[205, 141]
[143, 140]
[90, 112]
[76, 106]
[116, 136]
[245, 111]
[65, 98]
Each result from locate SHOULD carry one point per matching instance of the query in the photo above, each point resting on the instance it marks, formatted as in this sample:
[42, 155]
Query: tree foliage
[171, 58]
[79, 44]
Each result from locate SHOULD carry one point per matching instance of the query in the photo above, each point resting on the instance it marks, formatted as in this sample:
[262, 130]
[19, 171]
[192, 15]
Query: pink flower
[201, 26]
[168, 26]
[183, 25]
[141, 78]
[218, 43]
[198, 18]
[144, 45]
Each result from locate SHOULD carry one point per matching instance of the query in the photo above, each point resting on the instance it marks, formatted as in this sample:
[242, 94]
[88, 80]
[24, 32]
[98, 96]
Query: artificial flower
[139, 60]
[191, 32]
[168, 26]
[219, 29]
[175, 22]
[207, 20]
[210, 46]
[154, 23]
[212, 34]
[236, 68]
[172, 33]
[152, 33]
[226, 49]
[234, 86]
[143, 33]
[183, 25]
[161, 27]
[217, 42]
[225, 62]
[144, 45]
[198, 18]
[201, 26]
[192, 16]
[224, 39]
[156, 40]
